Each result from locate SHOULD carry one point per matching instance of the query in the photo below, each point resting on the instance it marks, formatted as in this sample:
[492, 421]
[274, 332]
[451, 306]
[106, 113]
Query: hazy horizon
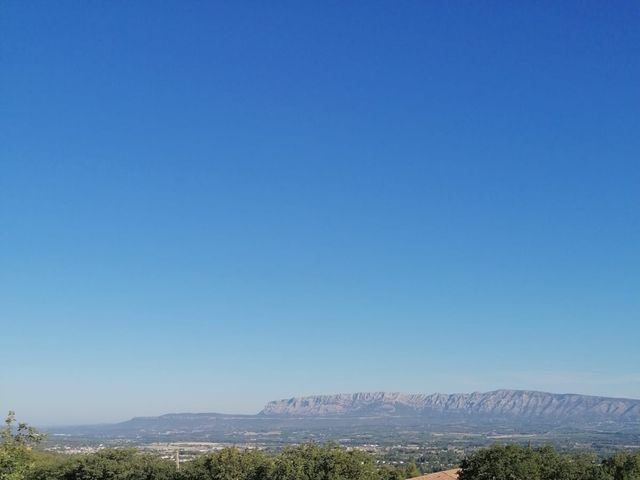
[256, 411]
[208, 206]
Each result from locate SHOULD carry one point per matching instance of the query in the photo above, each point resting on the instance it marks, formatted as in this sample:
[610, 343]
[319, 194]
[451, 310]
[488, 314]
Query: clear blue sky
[208, 205]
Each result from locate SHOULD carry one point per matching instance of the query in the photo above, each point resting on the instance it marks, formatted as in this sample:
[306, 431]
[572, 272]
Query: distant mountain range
[499, 404]
[349, 415]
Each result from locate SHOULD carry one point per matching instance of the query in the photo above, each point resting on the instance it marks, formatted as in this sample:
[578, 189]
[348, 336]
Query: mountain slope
[520, 404]
[381, 414]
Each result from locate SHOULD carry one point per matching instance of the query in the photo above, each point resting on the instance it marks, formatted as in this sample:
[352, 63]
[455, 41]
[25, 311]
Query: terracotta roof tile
[444, 475]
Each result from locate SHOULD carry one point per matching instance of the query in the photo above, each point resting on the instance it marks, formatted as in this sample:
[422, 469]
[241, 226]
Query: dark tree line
[305, 462]
[513, 462]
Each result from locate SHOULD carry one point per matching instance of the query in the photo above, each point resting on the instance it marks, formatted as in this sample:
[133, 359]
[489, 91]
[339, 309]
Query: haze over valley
[383, 418]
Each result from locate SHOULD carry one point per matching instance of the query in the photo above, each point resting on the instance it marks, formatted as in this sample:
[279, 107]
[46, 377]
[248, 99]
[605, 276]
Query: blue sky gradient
[205, 206]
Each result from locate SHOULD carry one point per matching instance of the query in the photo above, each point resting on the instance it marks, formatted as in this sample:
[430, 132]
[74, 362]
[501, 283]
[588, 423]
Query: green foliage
[16, 442]
[306, 462]
[20, 461]
[623, 466]
[229, 464]
[390, 473]
[313, 462]
[513, 462]
[112, 464]
[411, 470]
[399, 472]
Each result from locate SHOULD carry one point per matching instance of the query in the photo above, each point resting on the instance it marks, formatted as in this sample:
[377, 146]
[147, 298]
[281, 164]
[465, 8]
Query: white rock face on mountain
[344, 404]
[520, 403]
[339, 416]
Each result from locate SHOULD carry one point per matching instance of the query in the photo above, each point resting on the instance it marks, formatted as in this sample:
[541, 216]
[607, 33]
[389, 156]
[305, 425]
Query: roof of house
[444, 475]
